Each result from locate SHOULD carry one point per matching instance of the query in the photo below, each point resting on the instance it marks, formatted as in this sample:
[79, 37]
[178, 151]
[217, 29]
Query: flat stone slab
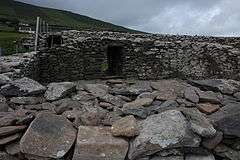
[57, 91]
[48, 136]
[22, 87]
[97, 143]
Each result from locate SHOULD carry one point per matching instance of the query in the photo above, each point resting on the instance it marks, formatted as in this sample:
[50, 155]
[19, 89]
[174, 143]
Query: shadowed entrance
[114, 55]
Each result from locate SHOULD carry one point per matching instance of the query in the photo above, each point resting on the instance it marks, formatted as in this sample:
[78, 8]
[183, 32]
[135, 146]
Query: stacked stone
[144, 56]
[120, 119]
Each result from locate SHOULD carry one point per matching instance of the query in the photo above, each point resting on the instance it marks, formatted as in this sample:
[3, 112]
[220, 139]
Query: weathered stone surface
[3, 107]
[227, 119]
[126, 127]
[113, 100]
[4, 131]
[155, 135]
[13, 148]
[140, 112]
[83, 96]
[220, 85]
[169, 158]
[9, 139]
[168, 89]
[140, 87]
[211, 143]
[92, 115]
[226, 152]
[40, 107]
[198, 123]
[185, 103]
[65, 105]
[4, 79]
[200, 157]
[49, 136]
[191, 95]
[237, 95]
[98, 90]
[98, 143]
[5, 156]
[138, 103]
[27, 100]
[22, 87]
[56, 91]
[209, 96]
[208, 108]
[147, 95]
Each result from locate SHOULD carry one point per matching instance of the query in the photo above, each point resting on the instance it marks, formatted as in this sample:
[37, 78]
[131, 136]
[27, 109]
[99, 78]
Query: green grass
[27, 13]
[8, 41]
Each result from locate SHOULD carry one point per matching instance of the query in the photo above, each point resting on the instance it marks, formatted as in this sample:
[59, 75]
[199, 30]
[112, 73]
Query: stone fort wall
[84, 55]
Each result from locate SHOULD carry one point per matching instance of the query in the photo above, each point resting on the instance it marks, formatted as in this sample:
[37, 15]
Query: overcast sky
[195, 17]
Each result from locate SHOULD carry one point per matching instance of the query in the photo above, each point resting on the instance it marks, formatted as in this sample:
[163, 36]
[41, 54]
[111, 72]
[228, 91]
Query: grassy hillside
[18, 11]
[8, 40]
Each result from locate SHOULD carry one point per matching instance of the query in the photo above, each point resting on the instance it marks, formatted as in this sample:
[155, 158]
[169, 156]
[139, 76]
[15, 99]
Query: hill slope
[21, 12]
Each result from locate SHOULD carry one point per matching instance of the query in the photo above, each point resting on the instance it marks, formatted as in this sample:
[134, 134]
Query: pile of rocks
[120, 120]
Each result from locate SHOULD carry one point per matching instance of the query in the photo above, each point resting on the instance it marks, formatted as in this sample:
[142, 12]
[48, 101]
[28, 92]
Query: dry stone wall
[143, 56]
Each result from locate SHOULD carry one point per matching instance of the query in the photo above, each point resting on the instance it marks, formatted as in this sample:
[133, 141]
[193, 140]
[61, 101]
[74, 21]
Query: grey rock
[27, 100]
[13, 148]
[126, 127]
[169, 158]
[200, 157]
[211, 143]
[147, 95]
[56, 91]
[116, 101]
[219, 85]
[22, 87]
[66, 105]
[209, 96]
[227, 119]
[9, 139]
[140, 87]
[98, 90]
[48, 136]
[9, 130]
[155, 135]
[98, 143]
[4, 79]
[138, 103]
[140, 112]
[5, 156]
[191, 95]
[237, 95]
[83, 96]
[198, 123]
[226, 152]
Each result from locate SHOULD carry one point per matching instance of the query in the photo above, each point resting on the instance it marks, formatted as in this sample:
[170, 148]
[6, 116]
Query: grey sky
[201, 17]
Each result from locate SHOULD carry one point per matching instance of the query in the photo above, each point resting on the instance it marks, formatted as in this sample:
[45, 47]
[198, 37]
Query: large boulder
[198, 123]
[227, 119]
[56, 91]
[22, 87]
[155, 135]
[48, 136]
[97, 143]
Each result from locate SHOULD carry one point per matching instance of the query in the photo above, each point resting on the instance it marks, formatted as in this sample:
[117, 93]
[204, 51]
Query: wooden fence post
[36, 36]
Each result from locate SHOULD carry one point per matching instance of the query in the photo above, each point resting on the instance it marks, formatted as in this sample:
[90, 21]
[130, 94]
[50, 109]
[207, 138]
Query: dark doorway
[114, 55]
[54, 40]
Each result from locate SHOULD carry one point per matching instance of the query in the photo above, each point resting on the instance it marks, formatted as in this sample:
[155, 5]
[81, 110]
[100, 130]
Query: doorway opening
[114, 56]
[54, 40]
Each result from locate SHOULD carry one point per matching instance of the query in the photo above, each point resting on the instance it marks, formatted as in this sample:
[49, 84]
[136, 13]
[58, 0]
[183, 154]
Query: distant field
[7, 41]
